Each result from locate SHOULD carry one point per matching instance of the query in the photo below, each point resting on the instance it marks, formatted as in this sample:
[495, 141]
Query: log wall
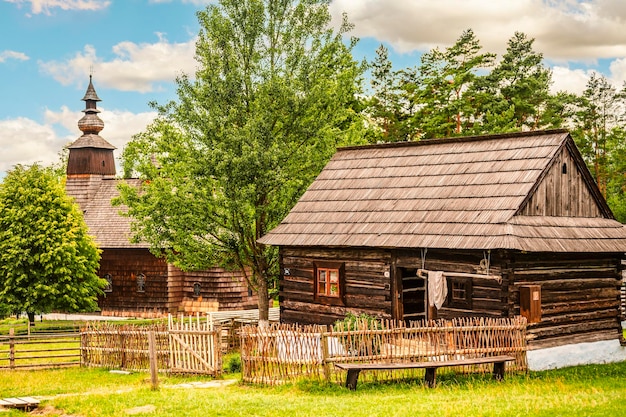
[580, 293]
[488, 298]
[579, 296]
[366, 286]
[124, 265]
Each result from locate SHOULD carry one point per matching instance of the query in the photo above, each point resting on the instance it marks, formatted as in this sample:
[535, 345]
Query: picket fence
[283, 353]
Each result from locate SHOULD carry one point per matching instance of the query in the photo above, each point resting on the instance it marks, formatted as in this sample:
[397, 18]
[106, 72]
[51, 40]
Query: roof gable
[566, 189]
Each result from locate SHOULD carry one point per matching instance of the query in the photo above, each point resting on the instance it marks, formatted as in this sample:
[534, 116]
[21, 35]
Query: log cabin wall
[126, 298]
[487, 297]
[367, 284]
[579, 296]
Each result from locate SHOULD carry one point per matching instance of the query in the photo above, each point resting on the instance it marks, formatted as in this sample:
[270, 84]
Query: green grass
[577, 391]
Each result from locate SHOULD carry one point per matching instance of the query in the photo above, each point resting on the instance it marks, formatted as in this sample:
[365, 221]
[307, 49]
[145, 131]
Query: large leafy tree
[47, 259]
[272, 98]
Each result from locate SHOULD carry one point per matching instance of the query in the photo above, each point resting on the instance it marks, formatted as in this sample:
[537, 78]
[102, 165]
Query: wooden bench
[431, 367]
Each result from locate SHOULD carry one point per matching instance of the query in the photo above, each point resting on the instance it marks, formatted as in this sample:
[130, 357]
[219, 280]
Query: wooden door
[414, 295]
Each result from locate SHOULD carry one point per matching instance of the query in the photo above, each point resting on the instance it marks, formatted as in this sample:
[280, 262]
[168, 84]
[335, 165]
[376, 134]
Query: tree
[598, 126]
[47, 259]
[389, 106]
[516, 92]
[444, 77]
[273, 96]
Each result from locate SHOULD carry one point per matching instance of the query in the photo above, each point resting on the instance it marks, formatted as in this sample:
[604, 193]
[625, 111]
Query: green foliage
[47, 259]
[358, 344]
[444, 77]
[356, 322]
[231, 363]
[273, 96]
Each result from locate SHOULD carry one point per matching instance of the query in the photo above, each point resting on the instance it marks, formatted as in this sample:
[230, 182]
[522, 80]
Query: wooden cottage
[491, 226]
[140, 284]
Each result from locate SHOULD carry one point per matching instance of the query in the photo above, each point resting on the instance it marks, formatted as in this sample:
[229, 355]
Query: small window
[564, 168]
[459, 292]
[196, 289]
[329, 282]
[109, 286]
[141, 283]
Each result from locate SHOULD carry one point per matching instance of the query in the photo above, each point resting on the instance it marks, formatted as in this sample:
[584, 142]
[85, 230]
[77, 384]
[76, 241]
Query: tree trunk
[263, 302]
[31, 318]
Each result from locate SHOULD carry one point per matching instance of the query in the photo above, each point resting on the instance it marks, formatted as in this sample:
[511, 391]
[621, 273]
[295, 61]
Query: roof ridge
[456, 139]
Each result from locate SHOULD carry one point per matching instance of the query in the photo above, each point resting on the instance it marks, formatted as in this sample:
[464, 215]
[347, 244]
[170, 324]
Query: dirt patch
[141, 410]
[50, 410]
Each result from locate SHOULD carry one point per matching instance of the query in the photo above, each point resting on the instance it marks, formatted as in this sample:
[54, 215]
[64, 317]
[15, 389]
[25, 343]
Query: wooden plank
[24, 403]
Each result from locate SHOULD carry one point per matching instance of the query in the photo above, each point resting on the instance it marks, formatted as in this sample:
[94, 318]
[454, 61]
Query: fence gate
[194, 346]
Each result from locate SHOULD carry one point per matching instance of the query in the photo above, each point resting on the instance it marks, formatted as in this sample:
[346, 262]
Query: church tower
[91, 157]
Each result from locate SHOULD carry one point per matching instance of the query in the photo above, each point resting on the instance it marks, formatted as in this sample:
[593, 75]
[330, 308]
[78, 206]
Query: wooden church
[492, 226]
[139, 284]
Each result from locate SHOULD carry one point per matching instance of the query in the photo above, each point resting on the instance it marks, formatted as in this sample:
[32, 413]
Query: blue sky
[135, 49]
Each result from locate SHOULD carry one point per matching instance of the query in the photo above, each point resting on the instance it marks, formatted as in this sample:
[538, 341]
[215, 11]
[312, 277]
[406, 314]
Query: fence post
[11, 348]
[154, 376]
[122, 347]
[325, 355]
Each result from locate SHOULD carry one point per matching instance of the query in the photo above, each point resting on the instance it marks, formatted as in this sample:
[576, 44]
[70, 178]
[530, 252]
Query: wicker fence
[183, 346]
[283, 353]
[123, 346]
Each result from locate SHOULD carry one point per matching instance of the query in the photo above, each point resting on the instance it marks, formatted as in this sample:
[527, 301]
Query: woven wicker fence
[184, 346]
[123, 347]
[284, 353]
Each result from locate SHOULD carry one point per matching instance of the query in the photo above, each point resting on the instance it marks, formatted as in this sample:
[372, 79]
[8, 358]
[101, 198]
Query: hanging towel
[437, 288]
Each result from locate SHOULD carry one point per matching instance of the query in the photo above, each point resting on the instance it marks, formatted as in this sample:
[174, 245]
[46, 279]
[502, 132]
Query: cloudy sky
[136, 48]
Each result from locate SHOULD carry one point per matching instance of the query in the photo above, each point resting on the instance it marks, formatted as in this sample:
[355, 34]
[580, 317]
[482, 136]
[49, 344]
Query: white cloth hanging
[437, 288]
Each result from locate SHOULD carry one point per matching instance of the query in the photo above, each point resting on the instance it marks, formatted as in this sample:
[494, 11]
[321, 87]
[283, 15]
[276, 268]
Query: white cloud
[570, 80]
[24, 141]
[618, 72]
[563, 29]
[136, 67]
[6, 55]
[44, 6]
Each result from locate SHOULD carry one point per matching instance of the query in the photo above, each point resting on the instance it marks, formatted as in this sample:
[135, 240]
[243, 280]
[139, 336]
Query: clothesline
[423, 273]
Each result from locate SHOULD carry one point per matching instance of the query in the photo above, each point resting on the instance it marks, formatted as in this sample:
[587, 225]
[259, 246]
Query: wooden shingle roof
[461, 193]
[106, 224]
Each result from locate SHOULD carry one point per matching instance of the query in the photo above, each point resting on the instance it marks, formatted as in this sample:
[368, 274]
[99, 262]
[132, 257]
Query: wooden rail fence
[39, 350]
[282, 353]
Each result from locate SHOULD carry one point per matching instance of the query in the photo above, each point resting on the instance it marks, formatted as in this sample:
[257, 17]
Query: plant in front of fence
[355, 335]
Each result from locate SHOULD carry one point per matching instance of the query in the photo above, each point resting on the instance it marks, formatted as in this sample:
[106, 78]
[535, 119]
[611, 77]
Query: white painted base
[606, 351]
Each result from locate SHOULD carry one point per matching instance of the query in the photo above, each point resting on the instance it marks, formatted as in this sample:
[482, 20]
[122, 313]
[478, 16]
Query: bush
[232, 363]
[363, 344]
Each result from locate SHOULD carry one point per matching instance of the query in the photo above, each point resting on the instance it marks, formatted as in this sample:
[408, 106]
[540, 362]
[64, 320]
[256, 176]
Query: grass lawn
[580, 391]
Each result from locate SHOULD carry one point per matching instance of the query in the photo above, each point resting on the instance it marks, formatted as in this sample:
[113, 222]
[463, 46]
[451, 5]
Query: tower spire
[90, 154]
